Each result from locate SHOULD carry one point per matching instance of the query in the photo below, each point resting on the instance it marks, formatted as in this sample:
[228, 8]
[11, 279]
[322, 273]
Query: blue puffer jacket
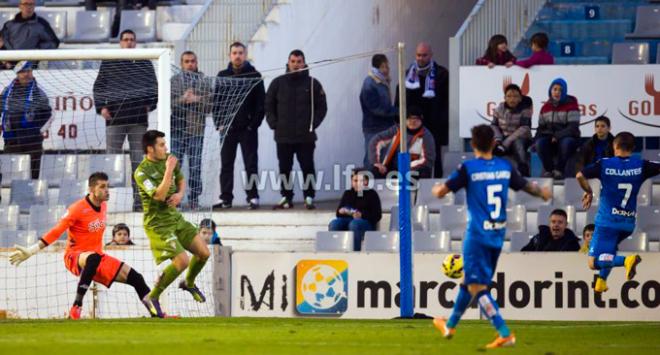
[378, 113]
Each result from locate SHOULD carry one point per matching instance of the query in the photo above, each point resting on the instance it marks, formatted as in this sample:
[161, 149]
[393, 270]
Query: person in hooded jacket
[558, 133]
[295, 107]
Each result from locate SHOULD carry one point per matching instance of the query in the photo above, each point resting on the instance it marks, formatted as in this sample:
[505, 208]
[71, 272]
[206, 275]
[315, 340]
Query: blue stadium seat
[112, 164]
[9, 216]
[419, 216]
[57, 21]
[9, 238]
[56, 168]
[74, 191]
[453, 219]
[91, 27]
[14, 167]
[142, 22]
[516, 220]
[43, 218]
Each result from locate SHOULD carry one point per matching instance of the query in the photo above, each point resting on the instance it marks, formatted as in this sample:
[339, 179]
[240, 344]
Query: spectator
[427, 87]
[558, 133]
[191, 102]
[359, 209]
[27, 30]
[540, 54]
[599, 145]
[556, 237]
[244, 129]
[512, 121]
[25, 114]
[90, 5]
[497, 53]
[384, 147]
[208, 233]
[125, 91]
[587, 233]
[295, 108]
[121, 235]
[378, 113]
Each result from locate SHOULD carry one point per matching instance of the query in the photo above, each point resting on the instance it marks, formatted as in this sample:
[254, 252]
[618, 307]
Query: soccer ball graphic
[453, 266]
[323, 287]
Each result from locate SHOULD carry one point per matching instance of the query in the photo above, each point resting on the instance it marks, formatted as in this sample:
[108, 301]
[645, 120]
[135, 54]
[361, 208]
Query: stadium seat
[9, 216]
[648, 221]
[121, 199]
[57, 21]
[573, 192]
[453, 219]
[645, 194]
[112, 164]
[388, 192]
[419, 217]
[424, 241]
[543, 216]
[636, 242]
[451, 161]
[142, 22]
[9, 238]
[43, 218]
[57, 168]
[334, 241]
[91, 27]
[519, 240]
[647, 22]
[6, 16]
[530, 202]
[652, 154]
[14, 167]
[375, 241]
[73, 192]
[26, 193]
[516, 220]
[630, 53]
[425, 198]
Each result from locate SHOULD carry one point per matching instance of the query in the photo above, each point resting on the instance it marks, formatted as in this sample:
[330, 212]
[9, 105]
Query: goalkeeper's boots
[194, 291]
[500, 342]
[441, 325]
[601, 285]
[153, 306]
[630, 263]
[74, 312]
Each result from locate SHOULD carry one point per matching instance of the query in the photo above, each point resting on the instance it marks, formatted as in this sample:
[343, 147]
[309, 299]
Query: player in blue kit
[486, 180]
[620, 177]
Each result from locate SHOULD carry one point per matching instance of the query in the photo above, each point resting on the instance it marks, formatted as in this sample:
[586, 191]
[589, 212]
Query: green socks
[166, 278]
[196, 265]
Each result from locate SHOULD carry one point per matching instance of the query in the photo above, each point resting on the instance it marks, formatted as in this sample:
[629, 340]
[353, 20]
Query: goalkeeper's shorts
[106, 272]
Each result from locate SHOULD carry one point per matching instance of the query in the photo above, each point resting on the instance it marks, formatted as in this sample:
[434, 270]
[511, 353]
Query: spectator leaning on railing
[540, 54]
[555, 237]
[497, 53]
[512, 121]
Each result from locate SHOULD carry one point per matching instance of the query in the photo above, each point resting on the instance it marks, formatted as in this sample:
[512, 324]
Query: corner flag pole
[405, 240]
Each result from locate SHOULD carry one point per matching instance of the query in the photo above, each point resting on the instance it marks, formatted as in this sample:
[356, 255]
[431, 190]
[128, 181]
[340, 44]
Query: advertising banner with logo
[539, 286]
[627, 94]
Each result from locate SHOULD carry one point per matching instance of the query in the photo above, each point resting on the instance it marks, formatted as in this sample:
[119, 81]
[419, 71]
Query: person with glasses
[28, 31]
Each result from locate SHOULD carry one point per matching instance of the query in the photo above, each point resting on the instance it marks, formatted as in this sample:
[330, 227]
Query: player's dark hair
[589, 228]
[512, 87]
[482, 138]
[625, 141]
[150, 137]
[559, 212]
[96, 177]
[603, 119]
[130, 32]
[119, 227]
[236, 44]
[378, 59]
[540, 39]
[298, 53]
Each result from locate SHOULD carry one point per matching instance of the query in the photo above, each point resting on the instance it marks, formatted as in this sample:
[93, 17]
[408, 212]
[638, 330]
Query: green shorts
[170, 241]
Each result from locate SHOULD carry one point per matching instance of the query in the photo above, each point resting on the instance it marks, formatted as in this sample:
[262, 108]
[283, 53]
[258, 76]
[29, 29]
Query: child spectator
[497, 53]
[540, 54]
[512, 125]
[599, 145]
[207, 231]
[121, 235]
[587, 233]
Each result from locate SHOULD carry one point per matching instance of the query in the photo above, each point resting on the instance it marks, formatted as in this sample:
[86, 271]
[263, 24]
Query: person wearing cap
[207, 231]
[384, 147]
[121, 235]
[27, 30]
[25, 112]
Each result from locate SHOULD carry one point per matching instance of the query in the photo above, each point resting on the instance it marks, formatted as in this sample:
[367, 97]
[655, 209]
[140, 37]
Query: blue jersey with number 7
[486, 183]
[620, 180]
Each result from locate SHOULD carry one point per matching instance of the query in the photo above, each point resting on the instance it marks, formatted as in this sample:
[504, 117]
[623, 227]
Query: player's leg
[603, 251]
[201, 254]
[169, 274]
[130, 276]
[165, 246]
[87, 263]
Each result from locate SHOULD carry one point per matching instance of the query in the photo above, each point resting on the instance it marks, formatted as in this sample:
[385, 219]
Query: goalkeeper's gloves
[23, 253]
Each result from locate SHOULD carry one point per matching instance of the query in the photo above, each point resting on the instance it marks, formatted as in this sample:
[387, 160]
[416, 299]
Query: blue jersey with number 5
[486, 184]
[620, 179]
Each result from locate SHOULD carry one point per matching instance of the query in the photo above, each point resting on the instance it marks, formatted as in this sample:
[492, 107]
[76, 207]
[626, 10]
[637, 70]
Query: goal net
[69, 113]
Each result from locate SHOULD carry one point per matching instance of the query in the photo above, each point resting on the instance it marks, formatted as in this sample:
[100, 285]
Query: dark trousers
[249, 141]
[183, 144]
[34, 149]
[304, 152]
[517, 151]
[562, 151]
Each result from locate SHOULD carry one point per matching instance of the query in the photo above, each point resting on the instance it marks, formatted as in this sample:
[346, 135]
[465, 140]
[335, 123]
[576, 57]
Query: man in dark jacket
[243, 129]
[427, 87]
[556, 237]
[295, 108]
[25, 111]
[599, 145]
[125, 91]
[28, 31]
[512, 124]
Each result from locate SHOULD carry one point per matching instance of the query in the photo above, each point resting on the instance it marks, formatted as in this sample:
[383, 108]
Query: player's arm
[517, 182]
[161, 191]
[23, 253]
[456, 181]
[591, 171]
[176, 198]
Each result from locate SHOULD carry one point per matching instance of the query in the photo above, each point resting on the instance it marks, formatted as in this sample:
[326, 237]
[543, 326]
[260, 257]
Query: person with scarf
[27, 30]
[25, 112]
[427, 87]
[243, 129]
[191, 98]
[558, 134]
[384, 148]
[378, 113]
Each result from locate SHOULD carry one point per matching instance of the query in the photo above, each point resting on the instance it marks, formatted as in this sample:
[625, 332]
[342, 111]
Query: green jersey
[148, 176]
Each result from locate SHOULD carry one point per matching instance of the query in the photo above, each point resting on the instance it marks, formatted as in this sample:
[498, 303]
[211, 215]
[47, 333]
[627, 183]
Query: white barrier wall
[628, 94]
[539, 286]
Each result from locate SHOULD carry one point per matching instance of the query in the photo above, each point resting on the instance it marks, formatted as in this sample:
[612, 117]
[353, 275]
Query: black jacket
[32, 33]
[251, 113]
[588, 151]
[128, 88]
[368, 204]
[289, 107]
[543, 241]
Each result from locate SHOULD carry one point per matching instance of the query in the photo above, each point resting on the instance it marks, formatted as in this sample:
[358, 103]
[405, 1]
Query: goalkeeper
[84, 257]
[162, 187]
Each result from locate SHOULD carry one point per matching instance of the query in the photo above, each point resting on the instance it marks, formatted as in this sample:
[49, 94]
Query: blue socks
[490, 310]
[605, 263]
[460, 305]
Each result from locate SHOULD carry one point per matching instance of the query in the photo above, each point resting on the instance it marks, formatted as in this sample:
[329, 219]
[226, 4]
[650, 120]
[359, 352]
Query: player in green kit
[162, 187]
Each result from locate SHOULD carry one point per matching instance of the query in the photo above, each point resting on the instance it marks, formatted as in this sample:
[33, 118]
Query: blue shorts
[479, 262]
[605, 240]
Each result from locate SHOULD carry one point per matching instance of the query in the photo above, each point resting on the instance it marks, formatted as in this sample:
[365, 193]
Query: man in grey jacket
[28, 31]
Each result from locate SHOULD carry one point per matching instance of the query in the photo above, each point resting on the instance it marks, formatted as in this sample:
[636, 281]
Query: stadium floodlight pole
[405, 240]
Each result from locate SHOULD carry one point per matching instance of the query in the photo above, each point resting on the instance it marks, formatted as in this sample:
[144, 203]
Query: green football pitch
[315, 336]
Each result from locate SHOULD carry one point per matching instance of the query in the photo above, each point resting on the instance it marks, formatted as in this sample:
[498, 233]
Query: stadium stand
[424, 198]
[637, 242]
[647, 23]
[26, 193]
[142, 22]
[420, 218]
[55, 168]
[42, 218]
[543, 216]
[516, 220]
[453, 219]
[531, 203]
[9, 216]
[112, 164]
[91, 27]
[14, 167]
[73, 192]
[519, 240]
[9, 238]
